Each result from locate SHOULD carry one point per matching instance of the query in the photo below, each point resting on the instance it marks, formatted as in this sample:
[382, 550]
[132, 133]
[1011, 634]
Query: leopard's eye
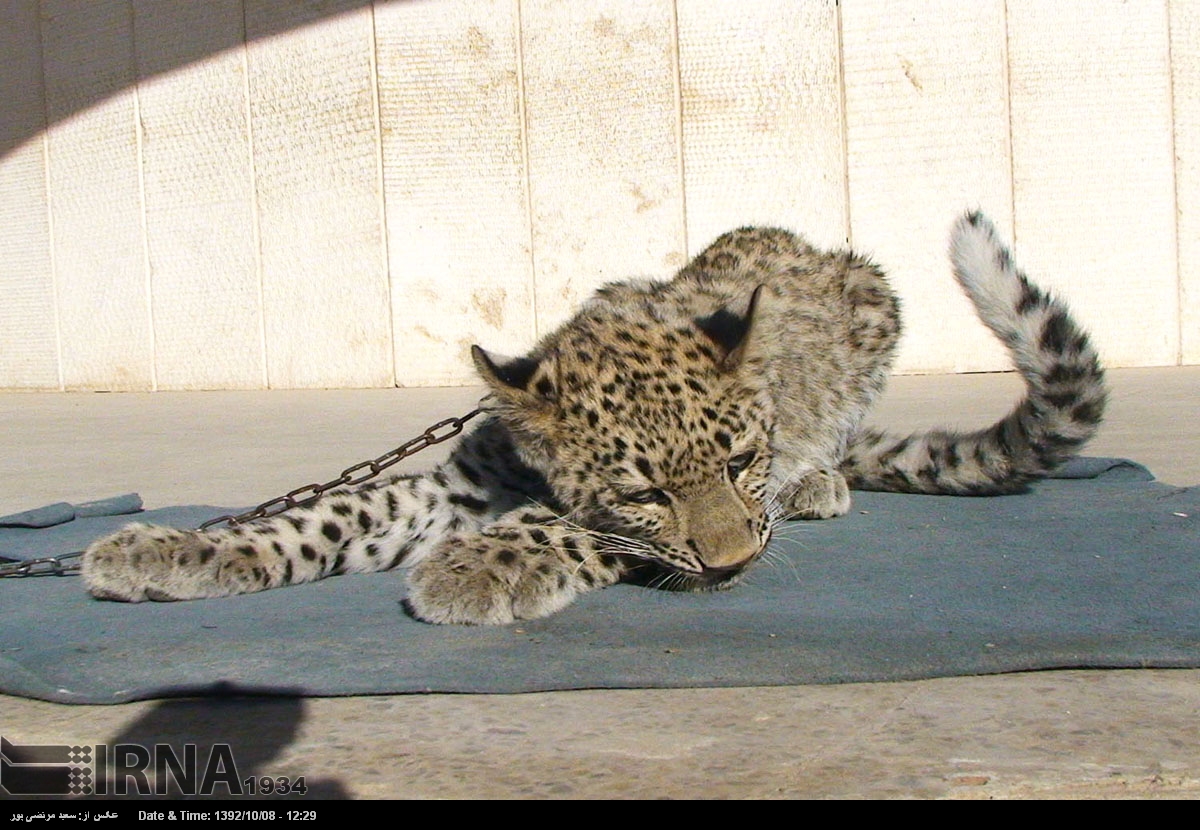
[650, 495]
[740, 462]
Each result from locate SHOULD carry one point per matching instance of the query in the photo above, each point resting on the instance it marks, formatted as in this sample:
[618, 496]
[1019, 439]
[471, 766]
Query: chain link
[351, 476]
[46, 566]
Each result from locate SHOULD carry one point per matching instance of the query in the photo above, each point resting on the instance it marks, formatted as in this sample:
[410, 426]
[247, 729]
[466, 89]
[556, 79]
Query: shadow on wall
[62, 57]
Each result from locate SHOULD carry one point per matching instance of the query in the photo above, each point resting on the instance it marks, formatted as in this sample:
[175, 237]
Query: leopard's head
[654, 429]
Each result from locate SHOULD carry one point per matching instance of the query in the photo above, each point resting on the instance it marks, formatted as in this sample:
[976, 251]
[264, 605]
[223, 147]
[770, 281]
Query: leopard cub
[658, 437]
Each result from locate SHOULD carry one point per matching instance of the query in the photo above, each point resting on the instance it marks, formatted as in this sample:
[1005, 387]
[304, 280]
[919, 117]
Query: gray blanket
[1097, 568]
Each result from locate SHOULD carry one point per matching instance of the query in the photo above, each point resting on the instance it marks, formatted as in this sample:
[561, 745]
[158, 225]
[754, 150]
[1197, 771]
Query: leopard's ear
[521, 382]
[733, 331]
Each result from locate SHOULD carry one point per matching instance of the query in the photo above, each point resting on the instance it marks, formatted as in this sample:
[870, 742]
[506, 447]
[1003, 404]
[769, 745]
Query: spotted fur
[658, 437]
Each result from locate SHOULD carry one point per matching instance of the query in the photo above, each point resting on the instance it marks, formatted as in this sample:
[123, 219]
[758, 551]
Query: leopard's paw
[145, 562]
[822, 494]
[479, 582]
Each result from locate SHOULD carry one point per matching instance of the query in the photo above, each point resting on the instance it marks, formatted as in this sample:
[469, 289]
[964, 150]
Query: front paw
[479, 581]
[822, 494]
[145, 562]
[129, 565]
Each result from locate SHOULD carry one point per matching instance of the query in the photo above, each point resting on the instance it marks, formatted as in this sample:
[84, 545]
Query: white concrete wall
[202, 194]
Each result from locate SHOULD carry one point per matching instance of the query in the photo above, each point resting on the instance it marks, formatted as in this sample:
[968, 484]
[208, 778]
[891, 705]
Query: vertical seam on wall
[1008, 138]
[843, 123]
[255, 219]
[383, 223]
[45, 138]
[139, 140]
[523, 117]
[1179, 297]
[677, 79]
[58, 346]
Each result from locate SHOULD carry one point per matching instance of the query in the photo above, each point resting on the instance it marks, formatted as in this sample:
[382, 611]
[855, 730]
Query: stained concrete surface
[1076, 734]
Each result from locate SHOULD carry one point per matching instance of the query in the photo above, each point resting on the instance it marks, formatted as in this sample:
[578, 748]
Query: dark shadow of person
[218, 745]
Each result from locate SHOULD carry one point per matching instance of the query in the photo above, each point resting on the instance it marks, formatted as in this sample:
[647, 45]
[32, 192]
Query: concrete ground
[1079, 734]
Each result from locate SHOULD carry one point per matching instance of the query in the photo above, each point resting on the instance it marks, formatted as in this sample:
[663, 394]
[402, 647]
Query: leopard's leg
[344, 532]
[526, 565]
[373, 528]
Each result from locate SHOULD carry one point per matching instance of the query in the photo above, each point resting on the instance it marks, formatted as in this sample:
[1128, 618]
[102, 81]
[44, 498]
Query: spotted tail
[1063, 404]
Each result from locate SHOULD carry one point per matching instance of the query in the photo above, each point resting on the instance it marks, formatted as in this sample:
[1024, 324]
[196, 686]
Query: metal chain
[357, 474]
[436, 434]
[46, 566]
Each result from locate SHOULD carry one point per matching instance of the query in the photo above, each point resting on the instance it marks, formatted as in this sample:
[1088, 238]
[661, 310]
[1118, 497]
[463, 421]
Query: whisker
[773, 558]
[791, 531]
[662, 582]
